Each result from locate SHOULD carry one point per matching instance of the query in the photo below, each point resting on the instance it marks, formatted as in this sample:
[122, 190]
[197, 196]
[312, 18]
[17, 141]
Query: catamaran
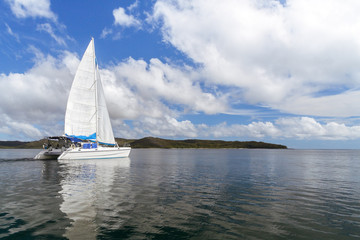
[88, 130]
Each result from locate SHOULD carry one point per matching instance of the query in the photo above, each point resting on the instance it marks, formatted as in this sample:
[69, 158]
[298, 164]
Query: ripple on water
[185, 194]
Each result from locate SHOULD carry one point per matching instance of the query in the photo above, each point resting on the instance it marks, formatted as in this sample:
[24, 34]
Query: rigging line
[93, 117]
[92, 84]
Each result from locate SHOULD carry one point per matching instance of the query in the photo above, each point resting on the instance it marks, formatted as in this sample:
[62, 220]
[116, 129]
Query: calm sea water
[183, 194]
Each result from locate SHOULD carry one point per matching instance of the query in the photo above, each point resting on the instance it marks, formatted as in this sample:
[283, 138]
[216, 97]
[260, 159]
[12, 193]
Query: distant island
[152, 142]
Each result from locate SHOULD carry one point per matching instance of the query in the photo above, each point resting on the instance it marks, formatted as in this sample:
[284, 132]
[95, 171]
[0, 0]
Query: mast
[96, 90]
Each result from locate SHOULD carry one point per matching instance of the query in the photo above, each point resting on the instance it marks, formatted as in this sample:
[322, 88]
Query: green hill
[11, 144]
[151, 142]
[18, 144]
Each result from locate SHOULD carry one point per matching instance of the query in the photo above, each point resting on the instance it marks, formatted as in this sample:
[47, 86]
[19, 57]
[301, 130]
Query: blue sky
[266, 70]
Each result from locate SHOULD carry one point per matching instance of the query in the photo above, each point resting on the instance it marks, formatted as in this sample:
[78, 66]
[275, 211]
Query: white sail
[86, 115]
[104, 131]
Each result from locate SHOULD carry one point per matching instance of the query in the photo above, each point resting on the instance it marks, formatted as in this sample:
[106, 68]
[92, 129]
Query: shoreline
[152, 142]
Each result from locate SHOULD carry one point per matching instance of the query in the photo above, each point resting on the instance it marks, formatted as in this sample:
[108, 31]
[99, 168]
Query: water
[183, 194]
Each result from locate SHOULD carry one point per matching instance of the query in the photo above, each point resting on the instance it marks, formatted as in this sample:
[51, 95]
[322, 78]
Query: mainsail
[87, 117]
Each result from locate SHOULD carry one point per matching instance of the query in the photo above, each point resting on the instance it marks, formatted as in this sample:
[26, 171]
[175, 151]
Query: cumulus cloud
[32, 8]
[298, 128]
[284, 128]
[19, 129]
[153, 95]
[300, 57]
[280, 56]
[123, 19]
[254, 129]
[158, 81]
[37, 93]
[155, 92]
[165, 127]
[37, 97]
[337, 105]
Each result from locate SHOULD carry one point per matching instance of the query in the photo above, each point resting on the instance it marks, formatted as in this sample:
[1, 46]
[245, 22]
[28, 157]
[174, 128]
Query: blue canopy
[80, 138]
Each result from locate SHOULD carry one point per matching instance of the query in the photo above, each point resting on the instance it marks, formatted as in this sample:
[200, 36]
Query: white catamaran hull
[101, 152]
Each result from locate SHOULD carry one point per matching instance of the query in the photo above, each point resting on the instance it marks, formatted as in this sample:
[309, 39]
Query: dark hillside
[11, 144]
[151, 142]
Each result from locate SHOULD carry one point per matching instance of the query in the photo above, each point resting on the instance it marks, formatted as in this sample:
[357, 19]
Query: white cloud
[38, 96]
[39, 9]
[9, 30]
[154, 95]
[32, 8]
[123, 19]
[277, 55]
[338, 105]
[284, 128]
[309, 128]
[254, 130]
[46, 27]
[298, 128]
[133, 6]
[105, 32]
[157, 81]
[299, 58]
[18, 129]
[165, 127]
[135, 89]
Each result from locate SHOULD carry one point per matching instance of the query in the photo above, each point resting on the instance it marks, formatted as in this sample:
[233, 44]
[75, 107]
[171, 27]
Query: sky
[279, 71]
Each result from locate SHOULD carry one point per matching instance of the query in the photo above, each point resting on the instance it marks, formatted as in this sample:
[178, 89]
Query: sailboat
[87, 121]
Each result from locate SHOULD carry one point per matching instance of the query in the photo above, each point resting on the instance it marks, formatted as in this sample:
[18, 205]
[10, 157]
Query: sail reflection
[87, 192]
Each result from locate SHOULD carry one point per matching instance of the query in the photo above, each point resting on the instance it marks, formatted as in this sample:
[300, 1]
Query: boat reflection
[87, 192]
